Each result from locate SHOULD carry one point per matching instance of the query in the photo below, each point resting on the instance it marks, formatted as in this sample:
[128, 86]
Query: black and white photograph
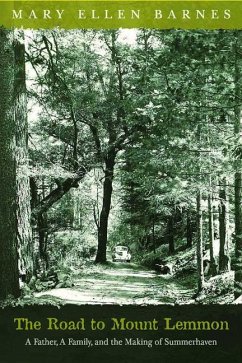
[120, 166]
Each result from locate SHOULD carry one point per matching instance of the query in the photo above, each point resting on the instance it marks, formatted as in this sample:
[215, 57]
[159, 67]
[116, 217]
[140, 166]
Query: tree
[200, 270]
[9, 279]
[95, 98]
[184, 93]
[223, 228]
[25, 245]
[57, 127]
[211, 231]
[155, 116]
[238, 172]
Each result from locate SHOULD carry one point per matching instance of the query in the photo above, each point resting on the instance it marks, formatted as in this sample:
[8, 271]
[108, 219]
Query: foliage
[122, 136]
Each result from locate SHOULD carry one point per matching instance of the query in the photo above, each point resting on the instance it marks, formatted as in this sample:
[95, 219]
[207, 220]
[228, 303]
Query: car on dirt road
[121, 253]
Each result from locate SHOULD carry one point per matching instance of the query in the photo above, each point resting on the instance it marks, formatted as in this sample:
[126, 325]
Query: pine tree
[9, 279]
[25, 245]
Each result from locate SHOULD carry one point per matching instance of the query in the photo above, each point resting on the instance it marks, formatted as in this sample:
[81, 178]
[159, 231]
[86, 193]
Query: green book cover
[121, 181]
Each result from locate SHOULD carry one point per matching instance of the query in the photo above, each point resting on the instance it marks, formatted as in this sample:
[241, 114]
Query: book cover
[121, 181]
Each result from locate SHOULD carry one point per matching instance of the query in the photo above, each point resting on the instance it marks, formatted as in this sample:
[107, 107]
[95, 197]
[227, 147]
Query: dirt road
[123, 283]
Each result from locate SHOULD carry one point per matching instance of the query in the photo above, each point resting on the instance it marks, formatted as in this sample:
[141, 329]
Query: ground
[122, 283]
[132, 283]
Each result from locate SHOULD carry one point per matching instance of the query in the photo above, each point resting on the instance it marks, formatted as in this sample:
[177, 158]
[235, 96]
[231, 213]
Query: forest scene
[120, 159]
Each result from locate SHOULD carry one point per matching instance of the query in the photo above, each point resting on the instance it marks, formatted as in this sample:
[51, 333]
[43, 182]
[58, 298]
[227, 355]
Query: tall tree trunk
[9, 278]
[223, 233]
[42, 229]
[170, 230]
[238, 168]
[238, 235]
[199, 243]
[25, 244]
[212, 269]
[189, 229]
[43, 237]
[106, 204]
[35, 236]
[153, 234]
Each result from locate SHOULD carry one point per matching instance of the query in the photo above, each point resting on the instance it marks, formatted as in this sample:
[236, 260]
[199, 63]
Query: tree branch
[56, 194]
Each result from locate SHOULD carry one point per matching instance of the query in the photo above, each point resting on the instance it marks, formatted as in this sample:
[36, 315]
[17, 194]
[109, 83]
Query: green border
[99, 14]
